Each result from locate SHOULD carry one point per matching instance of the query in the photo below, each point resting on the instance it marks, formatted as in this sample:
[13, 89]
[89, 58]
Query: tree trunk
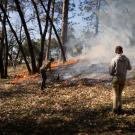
[50, 32]
[19, 43]
[1, 67]
[43, 34]
[1, 51]
[33, 63]
[97, 16]
[37, 15]
[10, 56]
[64, 29]
[6, 51]
[5, 43]
[1, 45]
[17, 55]
[55, 31]
[43, 37]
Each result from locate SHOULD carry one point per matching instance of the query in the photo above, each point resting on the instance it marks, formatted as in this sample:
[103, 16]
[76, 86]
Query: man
[43, 70]
[118, 69]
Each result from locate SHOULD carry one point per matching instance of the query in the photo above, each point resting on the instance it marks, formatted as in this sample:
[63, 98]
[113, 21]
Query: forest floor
[63, 108]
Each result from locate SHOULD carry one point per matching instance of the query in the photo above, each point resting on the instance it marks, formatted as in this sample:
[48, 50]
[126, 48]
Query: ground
[64, 108]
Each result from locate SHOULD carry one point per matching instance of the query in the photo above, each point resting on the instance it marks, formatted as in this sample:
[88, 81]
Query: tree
[42, 32]
[64, 21]
[55, 31]
[50, 31]
[16, 37]
[33, 63]
[97, 16]
[4, 45]
[1, 51]
[90, 13]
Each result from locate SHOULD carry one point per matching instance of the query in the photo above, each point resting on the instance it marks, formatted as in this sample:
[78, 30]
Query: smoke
[116, 27]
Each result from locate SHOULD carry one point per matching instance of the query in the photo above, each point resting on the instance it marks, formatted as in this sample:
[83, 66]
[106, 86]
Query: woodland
[78, 96]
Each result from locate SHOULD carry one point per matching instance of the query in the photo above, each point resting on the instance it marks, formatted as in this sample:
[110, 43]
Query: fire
[68, 62]
[24, 76]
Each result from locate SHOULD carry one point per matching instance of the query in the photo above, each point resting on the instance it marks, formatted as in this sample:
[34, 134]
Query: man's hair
[118, 49]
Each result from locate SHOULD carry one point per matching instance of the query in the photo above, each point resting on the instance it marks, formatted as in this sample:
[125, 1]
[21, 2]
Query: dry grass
[63, 109]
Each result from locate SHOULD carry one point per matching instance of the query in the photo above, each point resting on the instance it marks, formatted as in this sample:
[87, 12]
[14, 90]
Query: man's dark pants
[44, 77]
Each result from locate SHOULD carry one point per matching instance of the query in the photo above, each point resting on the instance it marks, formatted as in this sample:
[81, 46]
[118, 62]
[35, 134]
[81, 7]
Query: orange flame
[24, 76]
[68, 62]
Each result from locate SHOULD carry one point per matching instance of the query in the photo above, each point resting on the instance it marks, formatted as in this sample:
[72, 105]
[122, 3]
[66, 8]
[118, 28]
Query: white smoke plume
[116, 27]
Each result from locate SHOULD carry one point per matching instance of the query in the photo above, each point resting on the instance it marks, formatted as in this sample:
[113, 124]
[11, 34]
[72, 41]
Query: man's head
[52, 59]
[118, 50]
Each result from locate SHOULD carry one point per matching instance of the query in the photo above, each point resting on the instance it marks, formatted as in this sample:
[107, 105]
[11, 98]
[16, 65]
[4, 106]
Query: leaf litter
[62, 108]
